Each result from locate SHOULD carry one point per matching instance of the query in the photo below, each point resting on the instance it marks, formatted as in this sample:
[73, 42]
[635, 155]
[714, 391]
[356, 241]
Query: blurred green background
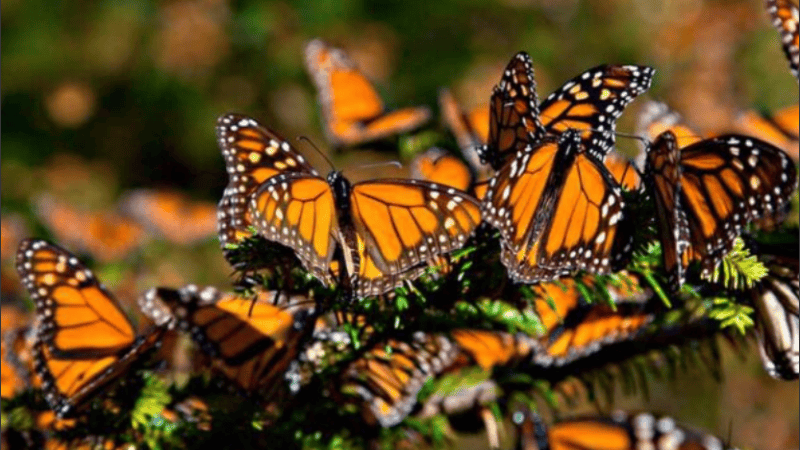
[125, 94]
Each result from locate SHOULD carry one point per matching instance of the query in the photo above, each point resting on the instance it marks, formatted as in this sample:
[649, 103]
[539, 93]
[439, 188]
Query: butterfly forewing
[253, 154]
[84, 341]
[513, 113]
[70, 301]
[583, 228]
[593, 101]
[406, 222]
[729, 181]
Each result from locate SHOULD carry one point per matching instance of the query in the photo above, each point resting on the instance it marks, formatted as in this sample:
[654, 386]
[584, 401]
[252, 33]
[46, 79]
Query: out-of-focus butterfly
[382, 232]
[12, 230]
[590, 103]
[172, 215]
[618, 431]
[781, 129]
[389, 375]
[352, 110]
[776, 298]
[706, 192]
[785, 18]
[104, 235]
[84, 341]
[251, 341]
[558, 209]
[471, 128]
[438, 166]
[575, 328]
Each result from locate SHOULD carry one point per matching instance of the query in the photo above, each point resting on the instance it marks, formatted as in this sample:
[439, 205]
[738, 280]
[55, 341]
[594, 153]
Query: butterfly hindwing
[298, 210]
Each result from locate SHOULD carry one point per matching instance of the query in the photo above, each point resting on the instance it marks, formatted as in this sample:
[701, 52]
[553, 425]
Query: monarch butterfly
[590, 103]
[707, 191]
[14, 380]
[618, 431]
[440, 167]
[389, 375]
[172, 215]
[470, 128]
[12, 229]
[386, 230]
[352, 110]
[558, 210]
[251, 342]
[104, 235]
[776, 298]
[781, 130]
[786, 20]
[83, 342]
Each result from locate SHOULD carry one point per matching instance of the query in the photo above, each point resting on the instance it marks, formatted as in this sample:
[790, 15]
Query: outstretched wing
[253, 154]
[593, 101]
[728, 182]
[407, 222]
[84, 340]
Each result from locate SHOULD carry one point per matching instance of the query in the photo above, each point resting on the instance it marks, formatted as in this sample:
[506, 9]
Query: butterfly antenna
[324, 156]
[396, 164]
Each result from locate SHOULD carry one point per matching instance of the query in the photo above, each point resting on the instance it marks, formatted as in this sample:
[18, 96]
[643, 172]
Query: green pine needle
[739, 270]
[731, 314]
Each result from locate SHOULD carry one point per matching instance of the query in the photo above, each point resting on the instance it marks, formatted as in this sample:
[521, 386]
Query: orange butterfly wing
[388, 382]
[438, 166]
[557, 209]
[593, 101]
[298, 210]
[251, 341]
[724, 184]
[471, 129]
[513, 113]
[84, 340]
[624, 172]
[352, 109]
[406, 222]
[781, 130]
[172, 215]
[253, 154]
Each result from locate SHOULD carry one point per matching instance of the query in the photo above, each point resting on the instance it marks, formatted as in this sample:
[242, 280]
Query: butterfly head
[341, 188]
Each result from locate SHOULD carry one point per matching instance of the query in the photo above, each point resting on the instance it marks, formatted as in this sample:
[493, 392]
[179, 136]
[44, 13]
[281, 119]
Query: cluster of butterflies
[543, 177]
[82, 343]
